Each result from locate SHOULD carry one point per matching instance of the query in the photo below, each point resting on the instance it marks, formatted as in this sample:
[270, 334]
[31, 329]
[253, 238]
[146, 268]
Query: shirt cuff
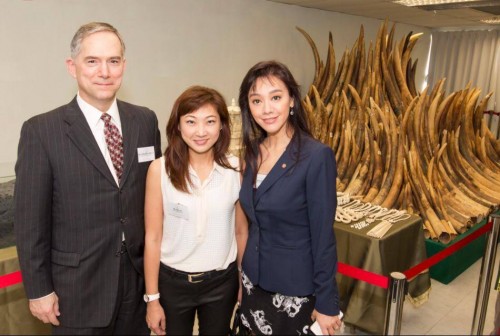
[43, 297]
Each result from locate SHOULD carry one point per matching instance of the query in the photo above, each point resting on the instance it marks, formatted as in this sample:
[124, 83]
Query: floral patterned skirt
[266, 313]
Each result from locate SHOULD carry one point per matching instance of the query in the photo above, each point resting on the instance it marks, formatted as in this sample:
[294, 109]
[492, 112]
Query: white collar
[218, 168]
[93, 115]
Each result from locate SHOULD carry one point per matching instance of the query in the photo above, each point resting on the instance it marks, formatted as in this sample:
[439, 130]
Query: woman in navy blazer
[288, 252]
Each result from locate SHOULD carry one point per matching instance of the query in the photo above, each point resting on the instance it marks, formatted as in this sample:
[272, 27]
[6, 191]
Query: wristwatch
[152, 297]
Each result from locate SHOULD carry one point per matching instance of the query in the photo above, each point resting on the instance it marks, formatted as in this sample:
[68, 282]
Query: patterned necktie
[115, 144]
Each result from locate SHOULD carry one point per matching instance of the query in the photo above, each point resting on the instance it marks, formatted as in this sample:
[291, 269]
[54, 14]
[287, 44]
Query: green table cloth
[401, 248]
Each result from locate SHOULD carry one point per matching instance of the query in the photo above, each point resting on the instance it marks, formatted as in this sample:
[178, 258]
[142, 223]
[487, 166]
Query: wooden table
[402, 247]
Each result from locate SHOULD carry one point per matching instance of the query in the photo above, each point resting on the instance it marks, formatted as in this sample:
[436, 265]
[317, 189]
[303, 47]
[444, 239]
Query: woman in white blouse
[190, 212]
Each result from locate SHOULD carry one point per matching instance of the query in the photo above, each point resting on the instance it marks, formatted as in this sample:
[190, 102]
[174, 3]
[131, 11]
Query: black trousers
[129, 317]
[213, 298]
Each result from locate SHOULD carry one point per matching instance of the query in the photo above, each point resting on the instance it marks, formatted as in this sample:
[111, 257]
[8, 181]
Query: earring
[291, 111]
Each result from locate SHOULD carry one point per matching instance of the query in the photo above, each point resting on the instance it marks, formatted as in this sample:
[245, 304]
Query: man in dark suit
[79, 197]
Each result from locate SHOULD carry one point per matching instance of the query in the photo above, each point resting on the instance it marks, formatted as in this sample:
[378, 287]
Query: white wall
[171, 44]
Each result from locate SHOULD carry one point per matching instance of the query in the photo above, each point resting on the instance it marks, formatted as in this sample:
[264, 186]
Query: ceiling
[438, 16]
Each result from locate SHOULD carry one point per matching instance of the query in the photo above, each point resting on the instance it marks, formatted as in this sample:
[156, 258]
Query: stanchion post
[395, 300]
[483, 289]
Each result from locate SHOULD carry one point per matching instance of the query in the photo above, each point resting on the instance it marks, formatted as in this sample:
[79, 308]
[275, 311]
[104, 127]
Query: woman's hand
[329, 324]
[155, 318]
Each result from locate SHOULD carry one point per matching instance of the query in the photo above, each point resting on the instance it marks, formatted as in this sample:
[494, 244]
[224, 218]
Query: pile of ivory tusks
[425, 152]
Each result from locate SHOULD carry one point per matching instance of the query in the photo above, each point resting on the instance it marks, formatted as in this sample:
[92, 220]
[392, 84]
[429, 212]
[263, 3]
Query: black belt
[195, 277]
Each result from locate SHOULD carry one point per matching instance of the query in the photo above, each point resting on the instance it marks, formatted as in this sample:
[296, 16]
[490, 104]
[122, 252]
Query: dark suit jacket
[70, 214]
[291, 248]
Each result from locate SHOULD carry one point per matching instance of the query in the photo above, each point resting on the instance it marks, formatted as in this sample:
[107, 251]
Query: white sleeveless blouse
[199, 228]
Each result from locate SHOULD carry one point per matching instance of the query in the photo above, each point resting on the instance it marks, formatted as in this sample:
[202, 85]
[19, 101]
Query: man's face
[98, 69]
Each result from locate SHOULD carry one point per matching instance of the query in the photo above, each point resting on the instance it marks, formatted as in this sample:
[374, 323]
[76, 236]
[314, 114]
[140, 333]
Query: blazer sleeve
[322, 203]
[33, 212]
[158, 152]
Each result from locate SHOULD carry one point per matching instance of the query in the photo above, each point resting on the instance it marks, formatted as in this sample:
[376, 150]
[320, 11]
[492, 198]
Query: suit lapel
[130, 132]
[247, 195]
[79, 132]
[284, 164]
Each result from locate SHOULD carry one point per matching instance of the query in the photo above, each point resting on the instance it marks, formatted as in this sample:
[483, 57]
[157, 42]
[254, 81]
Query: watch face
[146, 298]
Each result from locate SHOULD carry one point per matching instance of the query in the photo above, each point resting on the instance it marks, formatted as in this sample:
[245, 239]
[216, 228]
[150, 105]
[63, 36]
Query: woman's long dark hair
[177, 152]
[253, 134]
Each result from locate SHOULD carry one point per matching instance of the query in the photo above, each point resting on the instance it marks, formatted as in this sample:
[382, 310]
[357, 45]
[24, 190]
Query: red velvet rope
[10, 279]
[446, 252]
[348, 270]
[360, 274]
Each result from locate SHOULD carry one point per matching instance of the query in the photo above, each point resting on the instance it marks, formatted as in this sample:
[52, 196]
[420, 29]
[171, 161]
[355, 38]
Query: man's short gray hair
[89, 29]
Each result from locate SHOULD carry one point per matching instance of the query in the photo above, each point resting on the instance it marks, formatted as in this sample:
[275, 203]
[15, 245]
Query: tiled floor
[450, 308]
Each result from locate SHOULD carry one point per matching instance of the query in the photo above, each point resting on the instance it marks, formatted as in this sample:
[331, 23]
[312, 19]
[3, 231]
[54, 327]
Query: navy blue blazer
[291, 247]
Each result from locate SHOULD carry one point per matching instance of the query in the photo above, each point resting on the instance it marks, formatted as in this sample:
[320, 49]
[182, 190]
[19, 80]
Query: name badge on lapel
[145, 154]
[178, 210]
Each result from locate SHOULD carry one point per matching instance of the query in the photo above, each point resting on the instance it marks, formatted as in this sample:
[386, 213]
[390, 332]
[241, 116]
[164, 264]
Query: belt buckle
[190, 277]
